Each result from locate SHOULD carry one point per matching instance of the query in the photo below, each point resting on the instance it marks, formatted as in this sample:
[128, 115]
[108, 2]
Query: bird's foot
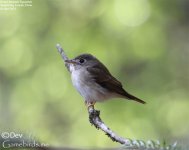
[93, 114]
[90, 104]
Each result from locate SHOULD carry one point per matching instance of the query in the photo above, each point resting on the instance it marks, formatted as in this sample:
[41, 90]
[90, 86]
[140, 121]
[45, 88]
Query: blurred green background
[144, 43]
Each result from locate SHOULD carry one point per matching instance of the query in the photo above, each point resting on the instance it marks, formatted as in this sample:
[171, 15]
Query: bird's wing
[102, 76]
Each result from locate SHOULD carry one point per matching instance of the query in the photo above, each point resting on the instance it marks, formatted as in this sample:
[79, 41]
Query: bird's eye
[81, 60]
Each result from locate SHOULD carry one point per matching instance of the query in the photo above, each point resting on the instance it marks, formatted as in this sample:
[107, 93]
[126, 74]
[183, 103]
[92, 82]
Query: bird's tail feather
[131, 97]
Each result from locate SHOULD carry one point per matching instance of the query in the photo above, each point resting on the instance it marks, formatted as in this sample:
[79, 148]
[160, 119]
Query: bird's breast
[87, 87]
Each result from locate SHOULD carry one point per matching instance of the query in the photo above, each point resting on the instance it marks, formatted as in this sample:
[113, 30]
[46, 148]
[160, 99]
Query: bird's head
[82, 61]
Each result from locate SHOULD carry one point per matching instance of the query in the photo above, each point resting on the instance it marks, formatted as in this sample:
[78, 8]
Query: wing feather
[101, 75]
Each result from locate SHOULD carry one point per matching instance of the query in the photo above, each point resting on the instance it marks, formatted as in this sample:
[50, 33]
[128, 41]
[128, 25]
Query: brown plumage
[94, 82]
[103, 77]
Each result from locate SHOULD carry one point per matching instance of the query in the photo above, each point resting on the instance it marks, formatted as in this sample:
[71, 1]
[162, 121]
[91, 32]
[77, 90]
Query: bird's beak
[71, 61]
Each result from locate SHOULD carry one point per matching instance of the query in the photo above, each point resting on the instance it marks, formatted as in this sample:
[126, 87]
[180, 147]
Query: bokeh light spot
[132, 12]
[9, 23]
[48, 79]
[16, 56]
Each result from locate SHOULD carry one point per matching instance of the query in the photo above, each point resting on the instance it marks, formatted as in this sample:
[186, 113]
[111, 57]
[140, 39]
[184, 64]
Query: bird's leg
[92, 112]
[90, 104]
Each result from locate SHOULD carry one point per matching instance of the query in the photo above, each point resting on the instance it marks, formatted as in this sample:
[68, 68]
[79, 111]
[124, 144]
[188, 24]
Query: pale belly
[89, 90]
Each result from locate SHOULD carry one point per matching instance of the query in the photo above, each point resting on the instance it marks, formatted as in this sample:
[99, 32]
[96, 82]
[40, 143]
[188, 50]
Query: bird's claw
[90, 104]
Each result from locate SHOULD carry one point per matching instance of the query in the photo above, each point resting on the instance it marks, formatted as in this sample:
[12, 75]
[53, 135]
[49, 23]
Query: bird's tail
[131, 97]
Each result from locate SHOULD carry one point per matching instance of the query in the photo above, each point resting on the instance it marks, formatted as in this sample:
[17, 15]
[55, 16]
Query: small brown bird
[94, 82]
